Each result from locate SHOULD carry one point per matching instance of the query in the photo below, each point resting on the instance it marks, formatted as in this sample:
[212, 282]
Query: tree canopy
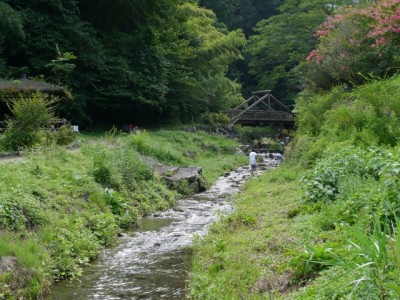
[156, 61]
[355, 44]
[144, 61]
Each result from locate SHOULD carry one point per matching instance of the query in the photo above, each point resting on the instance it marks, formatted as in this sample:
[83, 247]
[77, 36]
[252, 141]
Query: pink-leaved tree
[355, 44]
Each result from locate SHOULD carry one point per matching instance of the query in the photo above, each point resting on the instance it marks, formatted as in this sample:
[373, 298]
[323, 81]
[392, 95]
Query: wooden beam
[262, 92]
[283, 105]
[235, 119]
[243, 103]
[268, 106]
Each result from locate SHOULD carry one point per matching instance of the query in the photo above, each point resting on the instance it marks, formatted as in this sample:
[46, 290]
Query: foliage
[30, 117]
[282, 42]
[159, 60]
[61, 66]
[310, 261]
[365, 116]
[215, 119]
[241, 14]
[64, 135]
[142, 143]
[21, 213]
[248, 134]
[356, 41]
[322, 181]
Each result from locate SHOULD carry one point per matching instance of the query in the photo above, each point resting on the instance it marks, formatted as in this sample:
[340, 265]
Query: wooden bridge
[253, 114]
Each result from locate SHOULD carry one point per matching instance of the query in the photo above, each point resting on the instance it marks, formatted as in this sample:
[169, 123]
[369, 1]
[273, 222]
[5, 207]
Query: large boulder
[175, 177]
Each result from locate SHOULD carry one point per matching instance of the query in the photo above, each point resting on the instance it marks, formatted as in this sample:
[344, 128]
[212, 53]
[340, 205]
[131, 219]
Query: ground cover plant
[58, 207]
[241, 256]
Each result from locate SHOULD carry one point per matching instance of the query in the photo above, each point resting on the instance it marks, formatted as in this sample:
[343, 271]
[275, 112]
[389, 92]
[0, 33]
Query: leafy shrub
[31, 115]
[215, 119]
[71, 244]
[103, 169]
[104, 227]
[115, 201]
[131, 167]
[20, 212]
[322, 182]
[64, 135]
[311, 260]
[365, 181]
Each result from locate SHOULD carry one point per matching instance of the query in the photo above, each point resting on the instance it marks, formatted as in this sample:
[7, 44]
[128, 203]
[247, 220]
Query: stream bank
[60, 208]
[154, 262]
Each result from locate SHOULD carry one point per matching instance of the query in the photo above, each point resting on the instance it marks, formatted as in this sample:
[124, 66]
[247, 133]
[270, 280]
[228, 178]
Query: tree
[135, 59]
[12, 35]
[241, 14]
[353, 42]
[283, 41]
[211, 52]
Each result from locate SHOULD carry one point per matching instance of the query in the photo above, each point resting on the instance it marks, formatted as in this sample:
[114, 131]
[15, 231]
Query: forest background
[161, 61]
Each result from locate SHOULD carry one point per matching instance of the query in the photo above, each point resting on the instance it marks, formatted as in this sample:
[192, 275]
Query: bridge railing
[260, 115]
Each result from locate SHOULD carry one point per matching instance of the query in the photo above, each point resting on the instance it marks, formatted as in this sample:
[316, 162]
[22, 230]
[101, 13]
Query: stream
[153, 262]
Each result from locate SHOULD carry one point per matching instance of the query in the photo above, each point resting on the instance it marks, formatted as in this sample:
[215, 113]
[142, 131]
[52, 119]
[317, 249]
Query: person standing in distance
[253, 162]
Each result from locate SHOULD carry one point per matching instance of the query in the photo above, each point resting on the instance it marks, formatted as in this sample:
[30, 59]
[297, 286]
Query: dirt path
[11, 159]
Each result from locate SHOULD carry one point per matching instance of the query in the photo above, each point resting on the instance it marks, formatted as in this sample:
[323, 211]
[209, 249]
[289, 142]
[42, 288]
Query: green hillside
[325, 224]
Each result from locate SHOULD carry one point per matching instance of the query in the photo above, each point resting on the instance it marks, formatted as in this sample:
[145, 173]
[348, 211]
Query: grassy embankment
[325, 224]
[58, 208]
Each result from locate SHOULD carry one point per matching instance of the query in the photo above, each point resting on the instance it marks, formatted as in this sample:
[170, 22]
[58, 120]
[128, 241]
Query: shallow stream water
[153, 262]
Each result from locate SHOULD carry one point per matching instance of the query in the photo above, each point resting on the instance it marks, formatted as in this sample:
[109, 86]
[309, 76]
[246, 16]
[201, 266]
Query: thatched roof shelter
[10, 87]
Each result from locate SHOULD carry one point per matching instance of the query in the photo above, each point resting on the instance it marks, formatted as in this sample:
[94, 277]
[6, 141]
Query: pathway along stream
[154, 262]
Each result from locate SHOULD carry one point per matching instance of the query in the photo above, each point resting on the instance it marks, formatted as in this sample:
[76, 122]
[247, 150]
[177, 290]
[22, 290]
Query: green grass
[242, 255]
[214, 154]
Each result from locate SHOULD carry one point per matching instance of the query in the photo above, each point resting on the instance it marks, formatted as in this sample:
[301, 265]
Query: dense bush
[64, 135]
[30, 117]
[321, 183]
[366, 116]
[215, 119]
[249, 134]
[358, 40]
[20, 212]
[359, 189]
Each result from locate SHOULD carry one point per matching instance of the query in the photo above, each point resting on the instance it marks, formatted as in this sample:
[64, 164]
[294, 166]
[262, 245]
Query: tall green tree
[241, 14]
[12, 36]
[283, 41]
[211, 51]
[135, 59]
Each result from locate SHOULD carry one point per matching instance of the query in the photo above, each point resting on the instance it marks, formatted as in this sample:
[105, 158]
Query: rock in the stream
[174, 176]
